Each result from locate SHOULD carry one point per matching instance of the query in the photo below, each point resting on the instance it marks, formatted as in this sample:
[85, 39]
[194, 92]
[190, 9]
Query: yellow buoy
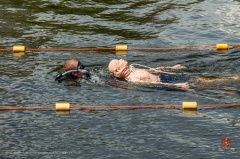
[62, 106]
[18, 48]
[189, 105]
[121, 47]
[222, 47]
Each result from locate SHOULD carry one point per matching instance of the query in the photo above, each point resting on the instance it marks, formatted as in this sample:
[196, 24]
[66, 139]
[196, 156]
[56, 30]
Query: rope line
[114, 49]
[131, 107]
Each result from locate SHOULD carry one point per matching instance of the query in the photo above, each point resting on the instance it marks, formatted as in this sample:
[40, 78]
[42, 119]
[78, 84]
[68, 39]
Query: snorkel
[80, 68]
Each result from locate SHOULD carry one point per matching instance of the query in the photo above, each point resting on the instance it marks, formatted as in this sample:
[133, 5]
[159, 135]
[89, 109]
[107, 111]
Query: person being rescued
[122, 70]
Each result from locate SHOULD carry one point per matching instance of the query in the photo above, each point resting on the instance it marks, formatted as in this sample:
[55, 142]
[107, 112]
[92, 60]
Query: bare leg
[222, 79]
[180, 85]
[202, 82]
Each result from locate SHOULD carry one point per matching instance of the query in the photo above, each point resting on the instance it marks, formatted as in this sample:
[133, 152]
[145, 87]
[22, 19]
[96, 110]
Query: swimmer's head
[113, 65]
[119, 68]
[70, 65]
[74, 64]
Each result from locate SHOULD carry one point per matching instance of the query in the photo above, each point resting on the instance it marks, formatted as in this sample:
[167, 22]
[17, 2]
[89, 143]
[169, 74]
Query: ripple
[29, 80]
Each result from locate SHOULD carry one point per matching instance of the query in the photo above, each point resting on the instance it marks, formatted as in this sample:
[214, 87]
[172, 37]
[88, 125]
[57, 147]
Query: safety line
[117, 48]
[172, 106]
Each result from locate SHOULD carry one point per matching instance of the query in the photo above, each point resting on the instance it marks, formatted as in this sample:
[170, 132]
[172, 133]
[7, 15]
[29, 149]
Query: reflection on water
[29, 80]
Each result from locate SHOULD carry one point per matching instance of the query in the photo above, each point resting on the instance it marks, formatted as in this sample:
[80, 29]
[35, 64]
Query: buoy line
[20, 48]
[67, 107]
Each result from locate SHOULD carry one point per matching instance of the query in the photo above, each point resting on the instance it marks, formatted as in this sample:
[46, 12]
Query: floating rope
[67, 107]
[20, 48]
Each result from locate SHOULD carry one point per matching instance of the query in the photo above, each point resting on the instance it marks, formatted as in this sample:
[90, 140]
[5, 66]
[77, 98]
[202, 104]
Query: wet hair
[70, 65]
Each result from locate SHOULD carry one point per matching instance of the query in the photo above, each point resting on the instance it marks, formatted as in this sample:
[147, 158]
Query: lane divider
[120, 49]
[64, 108]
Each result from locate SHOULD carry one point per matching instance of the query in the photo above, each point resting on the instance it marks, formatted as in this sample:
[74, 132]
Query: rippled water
[29, 80]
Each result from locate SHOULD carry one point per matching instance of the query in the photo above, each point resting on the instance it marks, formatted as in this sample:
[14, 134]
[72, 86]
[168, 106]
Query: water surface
[29, 80]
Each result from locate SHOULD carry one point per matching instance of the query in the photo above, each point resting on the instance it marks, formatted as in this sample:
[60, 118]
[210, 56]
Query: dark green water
[29, 80]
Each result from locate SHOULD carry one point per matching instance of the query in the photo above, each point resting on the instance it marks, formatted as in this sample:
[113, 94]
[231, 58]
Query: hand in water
[177, 67]
[182, 85]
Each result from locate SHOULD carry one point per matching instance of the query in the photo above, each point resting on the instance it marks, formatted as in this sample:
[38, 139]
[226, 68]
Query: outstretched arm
[176, 67]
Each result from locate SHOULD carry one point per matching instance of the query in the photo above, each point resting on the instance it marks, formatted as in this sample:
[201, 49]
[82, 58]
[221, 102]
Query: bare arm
[176, 67]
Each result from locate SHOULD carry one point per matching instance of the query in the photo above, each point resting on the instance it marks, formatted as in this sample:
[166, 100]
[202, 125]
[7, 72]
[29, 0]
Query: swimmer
[121, 69]
[75, 68]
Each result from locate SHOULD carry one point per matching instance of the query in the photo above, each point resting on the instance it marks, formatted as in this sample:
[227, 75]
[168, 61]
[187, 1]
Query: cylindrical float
[62, 107]
[221, 46]
[121, 47]
[189, 105]
[18, 48]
